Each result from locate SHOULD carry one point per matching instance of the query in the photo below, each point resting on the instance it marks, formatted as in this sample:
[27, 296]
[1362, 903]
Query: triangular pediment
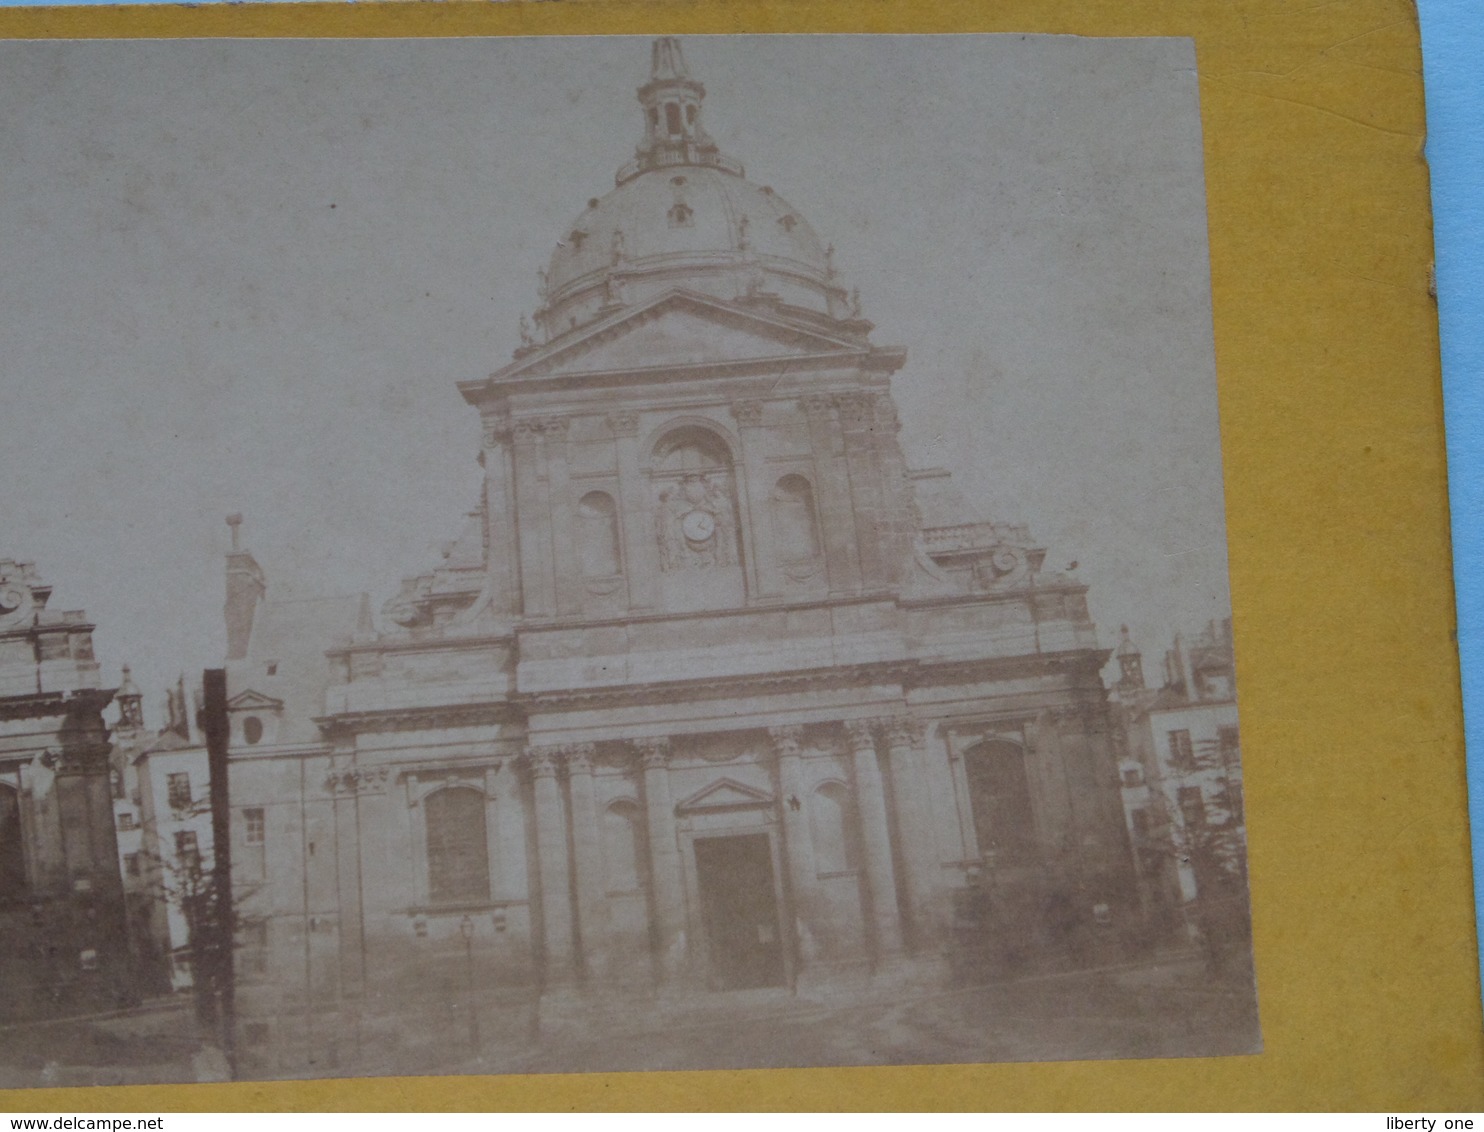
[725, 794]
[253, 701]
[678, 329]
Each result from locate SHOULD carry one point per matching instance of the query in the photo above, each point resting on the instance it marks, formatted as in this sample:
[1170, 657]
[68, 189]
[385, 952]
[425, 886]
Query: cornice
[419, 718]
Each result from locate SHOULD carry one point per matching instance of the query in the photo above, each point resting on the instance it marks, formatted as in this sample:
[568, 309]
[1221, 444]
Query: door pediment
[724, 794]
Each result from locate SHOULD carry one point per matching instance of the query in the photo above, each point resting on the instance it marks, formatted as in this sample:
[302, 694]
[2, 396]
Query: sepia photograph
[574, 554]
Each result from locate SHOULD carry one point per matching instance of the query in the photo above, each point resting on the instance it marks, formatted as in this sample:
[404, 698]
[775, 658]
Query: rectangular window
[187, 852]
[1133, 776]
[178, 790]
[131, 864]
[1140, 822]
[1182, 755]
[1229, 743]
[126, 822]
[253, 940]
[1234, 802]
[255, 826]
[1192, 806]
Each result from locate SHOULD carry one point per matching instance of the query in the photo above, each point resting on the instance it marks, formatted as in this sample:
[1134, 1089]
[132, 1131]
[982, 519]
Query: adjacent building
[63, 941]
[1182, 779]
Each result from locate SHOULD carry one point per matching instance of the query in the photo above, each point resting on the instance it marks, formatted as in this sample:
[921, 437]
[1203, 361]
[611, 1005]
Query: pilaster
[499, 503]
[754, 492]
[565, 568]
[841, 563]
[641, 560]
[857, 415]
[533, 521]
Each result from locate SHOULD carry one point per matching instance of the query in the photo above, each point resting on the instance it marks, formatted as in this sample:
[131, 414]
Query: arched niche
[599, 548]
[795, 521]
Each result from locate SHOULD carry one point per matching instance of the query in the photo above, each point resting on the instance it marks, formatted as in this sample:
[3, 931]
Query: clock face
[698, 526]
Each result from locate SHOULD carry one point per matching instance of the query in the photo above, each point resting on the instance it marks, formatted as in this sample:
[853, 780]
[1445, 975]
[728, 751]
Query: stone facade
[63, 946]
[713, 693]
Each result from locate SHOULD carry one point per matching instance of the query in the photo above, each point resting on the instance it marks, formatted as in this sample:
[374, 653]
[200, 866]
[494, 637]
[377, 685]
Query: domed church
[713, 695]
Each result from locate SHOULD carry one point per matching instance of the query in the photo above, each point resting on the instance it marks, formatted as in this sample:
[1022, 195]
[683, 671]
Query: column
[532, 527]
[798, 849]
[838, 532]
[919, 855]
[870, 802]
[640, 557]
[667, 886]
[565, 569]
[551, 864]
[587, 862]
[753, 493]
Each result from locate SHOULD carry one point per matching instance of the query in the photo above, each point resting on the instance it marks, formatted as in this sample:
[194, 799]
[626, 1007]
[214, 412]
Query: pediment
[676, 330]
[253, 701]
[725, 794]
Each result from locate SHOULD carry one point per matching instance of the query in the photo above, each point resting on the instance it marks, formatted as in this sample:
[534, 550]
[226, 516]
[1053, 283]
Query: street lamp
[466, 929]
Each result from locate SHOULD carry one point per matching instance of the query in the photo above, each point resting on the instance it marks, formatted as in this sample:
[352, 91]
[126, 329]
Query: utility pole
[223, 926]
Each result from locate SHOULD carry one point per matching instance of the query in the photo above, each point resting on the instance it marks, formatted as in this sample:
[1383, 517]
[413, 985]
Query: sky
[245, 276]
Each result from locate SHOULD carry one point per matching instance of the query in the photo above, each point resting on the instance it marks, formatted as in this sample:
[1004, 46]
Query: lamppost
[466, 929]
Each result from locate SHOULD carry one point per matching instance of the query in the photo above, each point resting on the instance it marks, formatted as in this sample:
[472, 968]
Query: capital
[856, 408]
[860, 734]
[525, 431]
[578, 757]
[749, 414]
[901, 731]
[786, 739]
[817, 404]
[542, 762]
[555, 427]
[623, 424]
[654, 751]
[496, 431]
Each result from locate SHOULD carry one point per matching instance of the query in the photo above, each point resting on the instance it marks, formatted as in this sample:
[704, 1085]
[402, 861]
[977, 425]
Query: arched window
[458, 847]
[252, 729]
[597, 535]
[691, 449]
[794, 528]
[695, 506]
[672, 117]
[832, 830]
[1000, 797]
[12, 847]
[621, 850]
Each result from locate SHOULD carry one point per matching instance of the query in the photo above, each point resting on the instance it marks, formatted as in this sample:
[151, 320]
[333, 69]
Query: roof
[291, 638]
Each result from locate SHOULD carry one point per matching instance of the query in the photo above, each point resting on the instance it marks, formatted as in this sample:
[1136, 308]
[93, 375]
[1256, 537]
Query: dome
[683, 215]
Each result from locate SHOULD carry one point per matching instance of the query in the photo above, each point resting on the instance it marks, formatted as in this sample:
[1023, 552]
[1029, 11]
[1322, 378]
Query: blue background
[1453, 59]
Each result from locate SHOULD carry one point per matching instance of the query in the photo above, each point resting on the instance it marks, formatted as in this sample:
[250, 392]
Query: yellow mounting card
[776, 556]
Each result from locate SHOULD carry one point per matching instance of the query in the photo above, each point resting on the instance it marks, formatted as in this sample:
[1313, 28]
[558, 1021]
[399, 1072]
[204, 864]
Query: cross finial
[234, 521]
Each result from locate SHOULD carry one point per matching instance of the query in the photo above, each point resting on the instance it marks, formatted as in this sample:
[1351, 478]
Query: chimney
[245, 588]
[1184, 671]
